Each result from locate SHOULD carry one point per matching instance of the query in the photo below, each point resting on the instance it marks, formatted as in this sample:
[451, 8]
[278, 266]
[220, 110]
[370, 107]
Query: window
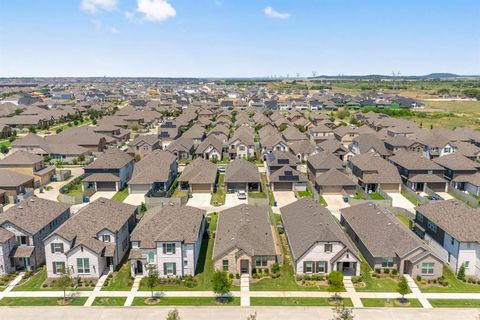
[185, 263]
[432, 226]
[321, 267]
[468, 245]
[419, 217]
[328, 247]
[387, 262]
[308, 267]
[83, 265]
[427, 267]
[57, 247]
[241, 148]
[453, 241]
[466, 264]
[22, 240]
[260, 261]
[58, 267]
[448, 150]
[151, 258]
[169, 268]
[106, 238]
[225, 265]
[169, 248]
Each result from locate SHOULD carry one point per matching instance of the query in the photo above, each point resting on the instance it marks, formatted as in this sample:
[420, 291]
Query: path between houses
[12, 284]
[133, 291]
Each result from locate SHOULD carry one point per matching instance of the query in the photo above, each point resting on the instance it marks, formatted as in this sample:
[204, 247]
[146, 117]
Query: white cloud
[93, 6]
[156, 10]
[270, 12]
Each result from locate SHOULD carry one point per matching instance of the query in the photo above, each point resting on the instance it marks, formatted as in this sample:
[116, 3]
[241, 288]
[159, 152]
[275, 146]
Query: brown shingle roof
[199, 171]
[241, 170]
[111, 159]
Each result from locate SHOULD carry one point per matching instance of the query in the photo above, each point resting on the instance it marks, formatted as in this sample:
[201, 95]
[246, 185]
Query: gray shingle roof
[199, 171]
[155, 167]
[241, 170]
[333, 177]
[325, 160]
[12, 179]
[456, 161]
[111, 159]
[21, 157]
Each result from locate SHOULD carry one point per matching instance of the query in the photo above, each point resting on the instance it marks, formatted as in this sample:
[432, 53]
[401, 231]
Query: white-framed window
[321, 266]
[151, 258]
[328, 247]
[169, 248]
[22, 240]
[427, 267]
[432, 226]
[57, 247]
[261, 261]
[169, 268]
[225, 265]
[58, 267]
[466, 263]
[387, 262]
[106, 238]
[308, 267]
[83, 265]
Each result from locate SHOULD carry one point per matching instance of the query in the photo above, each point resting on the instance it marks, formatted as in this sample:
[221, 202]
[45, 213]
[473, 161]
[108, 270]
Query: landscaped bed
[185, 301]
[6, 279]
[389, 303]
[35, 301]
[288, 301]
[379, 281]
[38, 282]
[453, 284]
[109, 301]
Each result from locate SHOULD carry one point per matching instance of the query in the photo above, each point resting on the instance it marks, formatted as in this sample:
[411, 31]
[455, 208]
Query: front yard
[454, 285]
[300, 302]
[109, 301]
[34, 301]
[389, 303]
[383, 283]
[186, 301]
[39, 282]
[455, 303]
[120, 280]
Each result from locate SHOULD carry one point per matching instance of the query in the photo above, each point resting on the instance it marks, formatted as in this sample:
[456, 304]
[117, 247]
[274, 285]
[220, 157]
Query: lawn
[218, 198]
[120, 281]
[257, 195]
[375, 284]
[301, 302]
[109, 301]
[286, 281]
[75, 190]
[455, 303]
[376, 196]
[6, 279]
[121, 195]
[454, 285]
[266, 189]
[403, 219]
[388, 303]
[35, 282]
[187, 301]
[35, 301]
[410, 198]
[6, 143]
[322, 201]
[305, 194]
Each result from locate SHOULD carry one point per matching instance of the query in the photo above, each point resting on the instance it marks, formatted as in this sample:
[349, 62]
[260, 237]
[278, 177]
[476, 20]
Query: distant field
[453, 106]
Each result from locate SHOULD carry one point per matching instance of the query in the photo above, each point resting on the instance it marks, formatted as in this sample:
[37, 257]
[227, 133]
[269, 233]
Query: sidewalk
[416, 291]
[245, 290]
[133, 291]
[11, 285]
[347, 282]
[96, 290]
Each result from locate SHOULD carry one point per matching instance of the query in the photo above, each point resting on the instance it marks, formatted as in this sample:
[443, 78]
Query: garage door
[437, 187]
[282, 186]
[331, 190]
[106, 186]
[201, 188]
[233, 187]
[139, 188]
[390, 187]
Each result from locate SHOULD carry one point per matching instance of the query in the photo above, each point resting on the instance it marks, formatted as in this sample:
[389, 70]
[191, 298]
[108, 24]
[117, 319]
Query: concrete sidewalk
[244, 290]
[96, 290]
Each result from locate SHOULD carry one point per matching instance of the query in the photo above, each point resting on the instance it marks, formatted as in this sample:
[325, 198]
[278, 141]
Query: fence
[413, 194]
[465, 197]
[151, 202]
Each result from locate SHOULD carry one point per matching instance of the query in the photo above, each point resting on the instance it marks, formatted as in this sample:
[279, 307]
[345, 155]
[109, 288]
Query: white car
[242, 195]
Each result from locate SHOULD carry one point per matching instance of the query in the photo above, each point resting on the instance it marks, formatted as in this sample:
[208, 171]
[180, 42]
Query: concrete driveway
[200, 200]
[445, 195]
[284, 198]
[231, 200]
[102, 194]
[335, 203]
[55, 186]
[398, 200]
[135, 199]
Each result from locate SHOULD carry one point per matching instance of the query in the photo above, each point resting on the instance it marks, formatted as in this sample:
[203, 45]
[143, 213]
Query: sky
[237, 38]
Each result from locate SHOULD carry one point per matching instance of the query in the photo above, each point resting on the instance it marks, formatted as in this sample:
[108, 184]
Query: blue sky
[242, 38]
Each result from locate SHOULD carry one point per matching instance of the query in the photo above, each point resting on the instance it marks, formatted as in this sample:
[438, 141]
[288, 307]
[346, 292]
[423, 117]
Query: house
[398, 143]
[292, 134]
[199, 176]
[316, 241]
[221, 132]
[82, 136]
[14, 184]
[168, 238]
[92, 242]
[369, 143]
[335, 148]
[302, 149]
[456, 165]
[454, 228]
[271, 142]
[242, 144]
[320, 133]
[244, 242]
[321, 163]
[287, 179]
[335, 182]
[469, 150]
[154, 174]
[29, 164]
[346, 134]
[182, 148]
[167, 132]
[418, 172]
[241, 174]
[144, 145]
[109, 172]
[196, 133]
[30, 221]
[435, 145]
[210, 149]
[278, 159]
[386, 243]
[469, 183]
[373, 173]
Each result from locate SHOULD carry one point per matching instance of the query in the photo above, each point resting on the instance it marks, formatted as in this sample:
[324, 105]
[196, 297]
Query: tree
[143, 207]
[137, 157]
[152, 279]
[58, 130]
[461, 272]
[4, 149]
[173, 315]
[335, 282]
[342, 313]
[64, 281]
[402, 287]
[32, 129]
[221, 283]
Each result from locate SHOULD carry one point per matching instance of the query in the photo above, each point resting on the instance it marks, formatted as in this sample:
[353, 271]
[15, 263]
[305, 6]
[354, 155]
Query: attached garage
[106, 186]
[330, 190]
[201, 188]
[437, 186]
[234, 187]
[390, 187]
[282, 186]
[139, 188]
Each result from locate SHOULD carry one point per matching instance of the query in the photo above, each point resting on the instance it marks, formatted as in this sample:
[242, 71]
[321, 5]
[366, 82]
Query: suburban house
[241, 174]
[456, 165]
[316, 240]
[346, 134]
[14, 184]
[418, 172]
[29, 222]
[453, 228]
[199, 176]
[292, 134]
[109, 172]
[369, 143]
[435, 145]
[302, 149]
[167, 132]
[154, 174]
[29, 164]
[92, 242]
[210, 149]
[335, 148]
[373, 173]
[287, 179]
[278, 159]
[335, 182]
[241, 144]
[469, 183]
[273, 142]
[321, 163]
[144, 145]
[168, 238]
[392, 245]
[398, 144]
[182, 148]
[320, 133]
[244, 241]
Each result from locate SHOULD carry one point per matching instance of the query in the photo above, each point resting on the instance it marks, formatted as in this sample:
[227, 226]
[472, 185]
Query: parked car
[242, 195]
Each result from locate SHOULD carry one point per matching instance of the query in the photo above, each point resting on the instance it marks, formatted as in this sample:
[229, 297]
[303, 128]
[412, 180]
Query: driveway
[284, 198]
[398, 200]
[231, 200]
[135, 199]
[445, 195]
[335, 203]
[102, 194]
[200, 200]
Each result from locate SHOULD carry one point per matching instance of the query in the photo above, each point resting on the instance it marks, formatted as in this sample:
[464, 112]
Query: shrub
[231, 276]
[356, 279]
[445, 283]
[378, 271]
[386, 271]
[394, 272]
[461, 273]
[275, 275]
[237, 276]
[418, 278]
[275, 268]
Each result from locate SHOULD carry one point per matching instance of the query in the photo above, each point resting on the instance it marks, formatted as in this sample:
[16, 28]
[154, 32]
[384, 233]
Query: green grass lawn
[322, 201]
[454, 303]
[266, 188]
[403, 219]
[186, 301]
[6, 279]
[454, 285]
[218, 198]
[375, 284]
[121, 195]
[35, 282]
[75, 190]
[35, 301]
[121, 280]
[6, 143]
[301, 302]
[376, 196]
[378, 302]
[257, 195]
[109, 301]
[304, 194]
[410, 198]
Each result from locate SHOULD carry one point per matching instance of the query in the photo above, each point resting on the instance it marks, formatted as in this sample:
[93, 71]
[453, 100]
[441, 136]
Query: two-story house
[29, 164]
[242, 144]
[373, 173]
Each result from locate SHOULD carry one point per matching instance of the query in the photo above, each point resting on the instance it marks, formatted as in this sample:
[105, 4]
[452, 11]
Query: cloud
[271, 13]
[156, 10]
[93, 6]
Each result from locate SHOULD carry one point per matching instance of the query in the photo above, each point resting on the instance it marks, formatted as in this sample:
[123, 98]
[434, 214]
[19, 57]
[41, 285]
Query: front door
[139, 267]
[109, 261]
[244, 267]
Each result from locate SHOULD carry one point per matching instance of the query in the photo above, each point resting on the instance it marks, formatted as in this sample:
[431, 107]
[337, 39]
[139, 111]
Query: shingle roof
[367, 141]
[112, 158]
[168, 223]
[21, 157]
[199, 171]
[154, 167]
[414, 161]
[325, 161]
[455, 161]
[211, 140]
[333, 177]
[302, 147]
[246, 228]
[12, 179]
[375, 169]
[287, 174]
[241, 170]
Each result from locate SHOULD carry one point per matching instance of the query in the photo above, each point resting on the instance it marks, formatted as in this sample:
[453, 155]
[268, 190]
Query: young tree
[152, 279]
[335, 282]
[221, 283]
[342, 313]
[64, 281]
[4, 149]
[403, 287]
[173, 315]
[461, 272]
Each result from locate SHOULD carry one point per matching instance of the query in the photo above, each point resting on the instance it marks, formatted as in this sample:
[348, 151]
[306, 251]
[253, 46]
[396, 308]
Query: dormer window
[106, 238]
